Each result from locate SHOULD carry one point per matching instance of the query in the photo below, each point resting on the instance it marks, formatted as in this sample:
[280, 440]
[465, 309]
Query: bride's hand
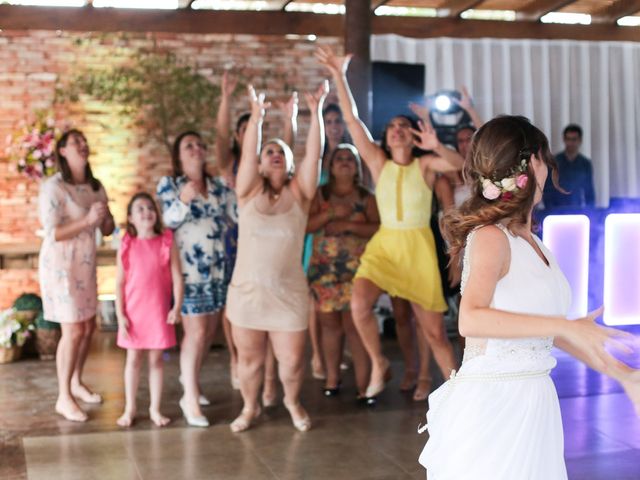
[593, 339]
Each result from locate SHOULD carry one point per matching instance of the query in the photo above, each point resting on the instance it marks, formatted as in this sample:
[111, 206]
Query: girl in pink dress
[148, 265]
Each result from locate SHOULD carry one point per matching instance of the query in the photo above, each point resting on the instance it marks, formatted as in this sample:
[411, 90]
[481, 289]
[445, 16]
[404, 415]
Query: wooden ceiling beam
[537, 9]
[378, 3]
[453, 8]
[613, 12]
[13, 17]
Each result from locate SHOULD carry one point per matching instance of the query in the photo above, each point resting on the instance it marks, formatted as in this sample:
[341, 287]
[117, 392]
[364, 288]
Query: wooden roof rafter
[537, 9]
[454, 8]
[619, 9]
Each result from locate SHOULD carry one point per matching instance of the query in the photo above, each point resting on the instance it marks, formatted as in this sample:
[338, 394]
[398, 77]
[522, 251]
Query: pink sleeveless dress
[147, 291]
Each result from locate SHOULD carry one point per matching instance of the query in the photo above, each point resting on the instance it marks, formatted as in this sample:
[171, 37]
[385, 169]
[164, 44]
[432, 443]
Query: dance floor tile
[347, 441]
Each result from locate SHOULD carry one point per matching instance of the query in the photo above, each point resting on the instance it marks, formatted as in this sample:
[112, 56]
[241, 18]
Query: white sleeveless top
[530, 286]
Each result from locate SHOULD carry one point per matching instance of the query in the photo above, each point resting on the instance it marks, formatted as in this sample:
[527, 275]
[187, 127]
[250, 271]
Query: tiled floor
[347, 441]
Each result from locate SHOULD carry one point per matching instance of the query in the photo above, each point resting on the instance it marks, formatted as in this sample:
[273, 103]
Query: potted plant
[29, 305]
[15, 328]
[47, 337]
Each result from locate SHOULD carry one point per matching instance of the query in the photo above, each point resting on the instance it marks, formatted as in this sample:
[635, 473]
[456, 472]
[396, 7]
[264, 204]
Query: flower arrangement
[504, 188]
[32, 146]
[15, 328]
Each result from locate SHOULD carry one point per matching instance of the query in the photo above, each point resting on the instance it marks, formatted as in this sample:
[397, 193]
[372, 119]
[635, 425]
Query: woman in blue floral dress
[194, 205]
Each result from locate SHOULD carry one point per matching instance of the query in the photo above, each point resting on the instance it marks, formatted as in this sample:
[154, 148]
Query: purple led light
[622, 269]
[567, 236]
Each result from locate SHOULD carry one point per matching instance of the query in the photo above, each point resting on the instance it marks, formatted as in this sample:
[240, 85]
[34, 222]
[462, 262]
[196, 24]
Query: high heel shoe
[317, 372]
[332, 392]
[373, 390]
[244, 420]
[301, 424]
[202, 400]
[193, 420]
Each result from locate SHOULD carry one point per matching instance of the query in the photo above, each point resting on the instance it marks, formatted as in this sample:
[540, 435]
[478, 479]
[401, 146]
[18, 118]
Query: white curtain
[553, 83]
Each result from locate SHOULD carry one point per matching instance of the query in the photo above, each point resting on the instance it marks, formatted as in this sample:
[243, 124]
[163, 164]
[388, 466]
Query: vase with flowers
[15, 328]
[32, 146]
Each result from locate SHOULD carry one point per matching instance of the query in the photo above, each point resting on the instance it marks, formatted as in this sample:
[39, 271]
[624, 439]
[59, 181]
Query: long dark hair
[63, 163]
[415, 152]
[236, 147]
[175, 155]
[334, 108]
[157, 227]
[357, 181]
[497, 149]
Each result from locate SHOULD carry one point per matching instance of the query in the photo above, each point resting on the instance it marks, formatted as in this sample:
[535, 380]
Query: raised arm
[289, 111]
[467, 105]
[248, 177]
[444, 160]
[306, 178]
[371, 153]
[223, 123]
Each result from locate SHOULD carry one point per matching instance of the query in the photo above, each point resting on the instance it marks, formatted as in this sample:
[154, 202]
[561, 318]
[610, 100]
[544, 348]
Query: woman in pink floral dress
[72, 205]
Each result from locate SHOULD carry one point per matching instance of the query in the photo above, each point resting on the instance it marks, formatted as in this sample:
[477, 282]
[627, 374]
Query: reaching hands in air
[316, 100]
[229, 83]
[258, 105]
[465, 101]
[335, 64]
[289, 108]
[426, 137]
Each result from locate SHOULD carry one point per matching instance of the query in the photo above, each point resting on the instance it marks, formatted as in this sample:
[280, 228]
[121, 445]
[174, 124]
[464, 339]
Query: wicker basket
[11, 354]
[47, 343]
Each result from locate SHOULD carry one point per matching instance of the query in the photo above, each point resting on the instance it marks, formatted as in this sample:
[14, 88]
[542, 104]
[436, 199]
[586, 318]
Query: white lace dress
[498, 418]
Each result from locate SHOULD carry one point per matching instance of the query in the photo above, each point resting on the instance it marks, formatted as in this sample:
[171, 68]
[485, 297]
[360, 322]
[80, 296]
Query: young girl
[499, 417]
[148, 264]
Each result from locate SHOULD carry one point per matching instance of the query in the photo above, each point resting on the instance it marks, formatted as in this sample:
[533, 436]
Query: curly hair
[497, 149]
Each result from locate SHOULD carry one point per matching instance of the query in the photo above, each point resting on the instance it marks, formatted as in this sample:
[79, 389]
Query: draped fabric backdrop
[553, 83]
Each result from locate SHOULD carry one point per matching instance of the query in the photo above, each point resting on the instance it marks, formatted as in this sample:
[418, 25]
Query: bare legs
[432, 326]
[79, 389]
[252, 348]
[198, 332]
[288, 348]
[233, 353]
[406, 332]
[364, 295]
[67, 359]
[315, 334]
[270, 387]
[334, 326]
[131, 381]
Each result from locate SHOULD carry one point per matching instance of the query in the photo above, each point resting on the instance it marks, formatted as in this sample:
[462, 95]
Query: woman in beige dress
[72, 206]
[268, 299]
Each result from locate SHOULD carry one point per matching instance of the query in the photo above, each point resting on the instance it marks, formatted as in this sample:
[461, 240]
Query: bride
[499, 416]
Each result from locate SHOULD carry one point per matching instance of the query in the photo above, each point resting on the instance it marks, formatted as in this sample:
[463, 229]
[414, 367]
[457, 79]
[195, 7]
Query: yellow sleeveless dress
[401, 257]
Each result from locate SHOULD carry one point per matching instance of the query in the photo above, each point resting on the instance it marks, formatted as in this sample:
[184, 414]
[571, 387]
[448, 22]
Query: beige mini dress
[268, 289]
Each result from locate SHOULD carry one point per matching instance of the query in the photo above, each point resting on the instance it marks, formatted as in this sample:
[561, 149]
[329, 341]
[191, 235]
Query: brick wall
[33, 62]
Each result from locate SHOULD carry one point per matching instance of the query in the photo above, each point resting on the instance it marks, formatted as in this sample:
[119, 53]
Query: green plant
[28, 301]
[159, 93]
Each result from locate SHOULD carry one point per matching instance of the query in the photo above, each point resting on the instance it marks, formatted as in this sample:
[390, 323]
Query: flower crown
[504, 188]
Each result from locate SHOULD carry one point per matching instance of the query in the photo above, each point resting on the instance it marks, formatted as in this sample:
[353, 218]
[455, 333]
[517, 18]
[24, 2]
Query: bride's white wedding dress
[498, 417]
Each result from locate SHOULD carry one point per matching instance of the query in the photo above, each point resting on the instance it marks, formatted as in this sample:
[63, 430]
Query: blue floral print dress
[199, 229]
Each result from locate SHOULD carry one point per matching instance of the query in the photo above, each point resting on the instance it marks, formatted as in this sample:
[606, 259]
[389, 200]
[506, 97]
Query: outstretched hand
[315, 100]
[258, 105]
[335, 64]
[421, 111]
[465, 101]
[426, 137]
[290, 107]
[594, 339]
[229, 83]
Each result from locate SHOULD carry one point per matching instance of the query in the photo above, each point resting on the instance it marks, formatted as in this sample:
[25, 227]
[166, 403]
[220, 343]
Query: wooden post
[357, 29]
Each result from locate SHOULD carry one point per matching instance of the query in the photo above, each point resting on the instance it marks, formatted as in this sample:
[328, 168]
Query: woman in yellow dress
[401, 257]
